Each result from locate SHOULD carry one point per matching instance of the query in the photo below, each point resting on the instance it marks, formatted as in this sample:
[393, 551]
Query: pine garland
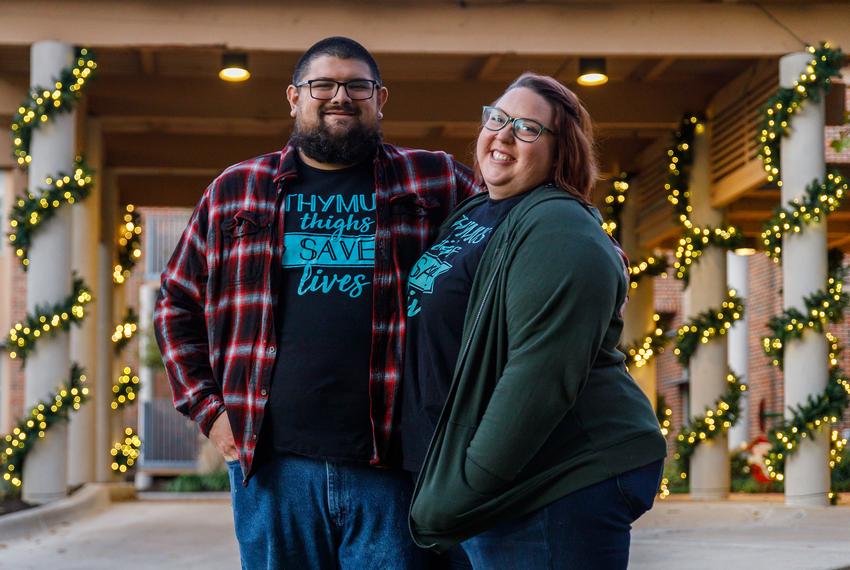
[716, 420]
[20, 441]
[30, 213]
[125, 330]
[125, 453]
[47, 320]
[615, 202]
[707, 325]
[125, 389]
[818, 201]
[652, 266]
[640, 352]
[814, 82]
[129, 245]
[694, 239]
[44, 103]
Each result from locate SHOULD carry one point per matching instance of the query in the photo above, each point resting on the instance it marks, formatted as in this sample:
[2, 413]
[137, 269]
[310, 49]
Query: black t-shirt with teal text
[319, 402]
[438, 290]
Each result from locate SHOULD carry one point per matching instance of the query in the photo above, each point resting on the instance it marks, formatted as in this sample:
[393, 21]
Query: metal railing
[170, 440]
[163, 228]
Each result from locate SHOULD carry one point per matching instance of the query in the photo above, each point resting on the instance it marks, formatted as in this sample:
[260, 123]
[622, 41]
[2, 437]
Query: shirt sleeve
[180, 326]
[465, 185]
[560, 297]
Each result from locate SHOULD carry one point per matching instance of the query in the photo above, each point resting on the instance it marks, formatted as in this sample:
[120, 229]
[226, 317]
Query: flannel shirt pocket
[246, 244]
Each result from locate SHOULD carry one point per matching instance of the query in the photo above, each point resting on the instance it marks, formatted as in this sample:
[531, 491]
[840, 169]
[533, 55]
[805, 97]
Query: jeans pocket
[639, 487]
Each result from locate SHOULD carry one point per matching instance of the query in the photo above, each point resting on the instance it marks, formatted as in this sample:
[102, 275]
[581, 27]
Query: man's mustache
[341, 109]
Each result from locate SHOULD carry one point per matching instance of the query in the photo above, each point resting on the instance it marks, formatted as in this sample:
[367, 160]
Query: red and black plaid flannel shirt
[214, 317]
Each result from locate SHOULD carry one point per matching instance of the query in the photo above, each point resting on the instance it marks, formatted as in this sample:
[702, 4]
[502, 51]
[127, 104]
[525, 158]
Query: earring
[380, 115]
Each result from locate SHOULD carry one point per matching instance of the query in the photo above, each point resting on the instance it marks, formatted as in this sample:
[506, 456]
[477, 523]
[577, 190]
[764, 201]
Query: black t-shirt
[438, 290]
[319, 402]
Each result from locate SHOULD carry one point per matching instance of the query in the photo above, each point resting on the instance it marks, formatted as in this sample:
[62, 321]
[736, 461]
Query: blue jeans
[315, 515]
[588, 529]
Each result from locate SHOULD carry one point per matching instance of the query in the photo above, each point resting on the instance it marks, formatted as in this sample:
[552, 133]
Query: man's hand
[222, 436]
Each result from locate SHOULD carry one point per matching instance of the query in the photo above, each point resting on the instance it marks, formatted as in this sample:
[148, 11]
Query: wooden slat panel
[734, 115]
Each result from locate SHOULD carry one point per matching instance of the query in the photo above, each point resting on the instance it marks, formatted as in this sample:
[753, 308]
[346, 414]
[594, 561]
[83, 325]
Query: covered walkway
[676, 534]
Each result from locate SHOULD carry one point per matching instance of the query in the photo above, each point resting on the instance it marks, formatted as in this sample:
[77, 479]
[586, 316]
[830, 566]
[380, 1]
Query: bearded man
[281, 324]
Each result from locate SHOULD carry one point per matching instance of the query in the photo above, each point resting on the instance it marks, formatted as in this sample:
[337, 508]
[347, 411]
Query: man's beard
[350, 147]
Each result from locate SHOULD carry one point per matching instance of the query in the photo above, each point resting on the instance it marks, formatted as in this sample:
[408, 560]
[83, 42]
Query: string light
[15, 446]
[29, 213]
[125, 453]
[776, 114]
[125, 389]
[707, 325]
[716, 421]
[129, 245]
[652, 266]
[694, 239]
[45, 321]
[44, 103]
[821, 308]
[125, 330]
[818, 201]
[615, 201]
[641, 352]
[666, 421]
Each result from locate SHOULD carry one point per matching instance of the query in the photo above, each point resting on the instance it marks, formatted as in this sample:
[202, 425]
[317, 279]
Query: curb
[38, 520]
[195, 496]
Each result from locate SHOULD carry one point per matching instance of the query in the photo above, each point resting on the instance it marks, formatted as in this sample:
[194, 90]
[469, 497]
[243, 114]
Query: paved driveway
[190, 534]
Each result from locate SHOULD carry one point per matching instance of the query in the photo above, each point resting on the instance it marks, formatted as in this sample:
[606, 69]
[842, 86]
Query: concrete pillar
[738, 343]
[641, 306]
[49, 281]
[82, 444]
[147, 299]
[7, 259]
[105, 288]
[709, 468]
[119, 307]
[804, 270]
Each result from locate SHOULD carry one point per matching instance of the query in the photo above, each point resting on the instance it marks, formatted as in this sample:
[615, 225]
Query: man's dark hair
[337, 46]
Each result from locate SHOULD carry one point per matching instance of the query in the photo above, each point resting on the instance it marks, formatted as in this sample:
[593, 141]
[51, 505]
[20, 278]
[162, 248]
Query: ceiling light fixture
[234, 66]
[592, 71]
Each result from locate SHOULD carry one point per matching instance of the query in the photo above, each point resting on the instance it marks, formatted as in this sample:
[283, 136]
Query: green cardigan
[540, 404]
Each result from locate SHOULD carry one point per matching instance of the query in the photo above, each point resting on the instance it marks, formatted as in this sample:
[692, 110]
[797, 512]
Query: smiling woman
[544, 449]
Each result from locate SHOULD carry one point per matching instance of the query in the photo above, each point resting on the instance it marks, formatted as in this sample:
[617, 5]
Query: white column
[804, 269]
[147, 299]
[105, 288]
[7, 258]
[82, 446]
[709, 468]
[637, 321]
[738, 345]
[119, 307]
[49, 281]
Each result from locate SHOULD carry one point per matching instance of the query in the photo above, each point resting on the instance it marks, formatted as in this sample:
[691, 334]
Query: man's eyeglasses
[326, 89]
[526, 130]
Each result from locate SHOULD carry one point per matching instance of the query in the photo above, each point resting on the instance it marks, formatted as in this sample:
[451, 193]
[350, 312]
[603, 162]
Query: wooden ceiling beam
[690, 29]
[656, 106]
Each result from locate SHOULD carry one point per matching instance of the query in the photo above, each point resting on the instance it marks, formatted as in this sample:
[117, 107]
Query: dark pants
[586, 530]
[305, 514]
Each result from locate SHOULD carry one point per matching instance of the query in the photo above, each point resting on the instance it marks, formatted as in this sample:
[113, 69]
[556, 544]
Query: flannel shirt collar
[288, 162]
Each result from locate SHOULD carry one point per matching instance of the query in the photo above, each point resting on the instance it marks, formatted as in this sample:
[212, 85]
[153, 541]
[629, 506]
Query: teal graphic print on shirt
[334, 246]
[439, 259]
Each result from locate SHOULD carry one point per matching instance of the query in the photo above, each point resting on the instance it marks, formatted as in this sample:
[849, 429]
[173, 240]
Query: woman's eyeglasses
[526, 130]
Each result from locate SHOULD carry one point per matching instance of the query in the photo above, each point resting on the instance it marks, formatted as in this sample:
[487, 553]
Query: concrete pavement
[676, 534]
